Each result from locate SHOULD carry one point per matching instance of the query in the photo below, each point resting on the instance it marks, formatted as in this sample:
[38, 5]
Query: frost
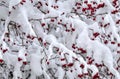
[59, 39]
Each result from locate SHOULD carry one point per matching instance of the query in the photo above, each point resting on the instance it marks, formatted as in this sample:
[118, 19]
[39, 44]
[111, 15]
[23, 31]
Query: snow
[45, 39]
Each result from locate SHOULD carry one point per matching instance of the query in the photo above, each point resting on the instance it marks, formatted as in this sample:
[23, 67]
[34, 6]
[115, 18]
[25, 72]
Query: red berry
[19, 26]
[23, 0]
[96, 34]
[45, 44]
[31, 1]
[40, 39]
[38, 7]
[100, 5]
[73, 46]
[86, 2]
[94, 2]
[96, 76]
[64, 65]
[24, 62]
[118, 52]
[7, 34]
[80, 49]
[1, 60]
[114, 11]
[73, 29]
[46, 4]
[60, 20]
[105, 42]
[43, 24]
[48, 11]
[98, 65]
[5, 50]
[32, 37]
[94, 18]
[4, 39]
[70, 64]
[57, 49]
[26, 54]
[118, 44]
[83, 9]
[59, 23]
[26, 41]
[82, 66]
[28, 36]
[8, 40]
[9, 12]
[89, 5]
[83, 51]
[78, 3]
[59, 53]
[52, 20]
[90, 61]
[89, 58]
[48, 63]
[80, 75]
[71, 70]
[85, 73]
[112, 42]
[19, 59]
[78, 7]
[21, 3]
[64, 25]
[102, 18]
[62, 59]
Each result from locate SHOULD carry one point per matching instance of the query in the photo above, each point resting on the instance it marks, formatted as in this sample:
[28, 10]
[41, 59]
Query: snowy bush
[59, 39]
